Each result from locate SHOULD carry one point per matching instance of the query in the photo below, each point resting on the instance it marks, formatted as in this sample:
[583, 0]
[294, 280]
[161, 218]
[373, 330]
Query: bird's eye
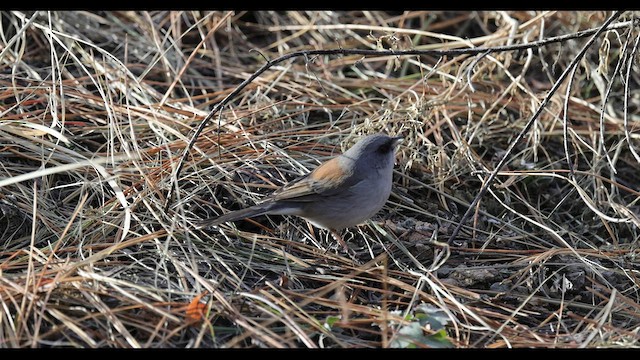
[385, 147]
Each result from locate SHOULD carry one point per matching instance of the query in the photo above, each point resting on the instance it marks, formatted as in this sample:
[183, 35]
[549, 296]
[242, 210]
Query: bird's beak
[397, 140]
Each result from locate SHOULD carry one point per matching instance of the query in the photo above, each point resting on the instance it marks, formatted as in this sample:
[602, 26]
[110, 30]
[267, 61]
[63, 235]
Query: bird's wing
[326, 180]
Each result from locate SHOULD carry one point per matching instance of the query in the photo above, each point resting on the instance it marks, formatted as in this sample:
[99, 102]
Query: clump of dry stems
[96, 110]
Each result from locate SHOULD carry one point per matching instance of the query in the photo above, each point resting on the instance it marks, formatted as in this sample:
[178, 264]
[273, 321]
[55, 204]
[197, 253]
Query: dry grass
[97, 108]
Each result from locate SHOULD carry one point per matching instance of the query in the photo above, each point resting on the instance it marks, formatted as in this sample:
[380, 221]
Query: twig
[307, 53]
[487, 183]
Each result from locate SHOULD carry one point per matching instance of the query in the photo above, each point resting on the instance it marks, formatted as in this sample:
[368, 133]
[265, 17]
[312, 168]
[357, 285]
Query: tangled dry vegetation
[98, 108]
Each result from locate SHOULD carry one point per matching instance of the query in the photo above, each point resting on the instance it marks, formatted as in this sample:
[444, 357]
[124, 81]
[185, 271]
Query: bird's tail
[252, 211]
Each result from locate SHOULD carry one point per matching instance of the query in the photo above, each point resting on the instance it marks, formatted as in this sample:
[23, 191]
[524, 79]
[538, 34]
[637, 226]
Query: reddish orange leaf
[196, 310]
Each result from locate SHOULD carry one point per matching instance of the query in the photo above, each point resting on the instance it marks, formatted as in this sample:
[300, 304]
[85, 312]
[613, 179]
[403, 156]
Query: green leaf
[435, 317]
[438, 340]
[407, 336]
[328, 323]
[412, 336]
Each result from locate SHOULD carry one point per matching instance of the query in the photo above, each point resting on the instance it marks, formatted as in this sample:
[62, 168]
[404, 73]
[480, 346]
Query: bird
[340, 193]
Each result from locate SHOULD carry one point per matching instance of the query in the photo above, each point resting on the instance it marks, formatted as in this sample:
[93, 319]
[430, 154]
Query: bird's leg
[337, 236]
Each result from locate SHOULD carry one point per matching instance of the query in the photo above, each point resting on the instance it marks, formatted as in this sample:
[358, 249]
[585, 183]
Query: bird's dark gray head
[377, 151]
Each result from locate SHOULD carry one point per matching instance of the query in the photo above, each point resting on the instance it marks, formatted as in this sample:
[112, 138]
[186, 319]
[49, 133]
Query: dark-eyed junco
[340, 193]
